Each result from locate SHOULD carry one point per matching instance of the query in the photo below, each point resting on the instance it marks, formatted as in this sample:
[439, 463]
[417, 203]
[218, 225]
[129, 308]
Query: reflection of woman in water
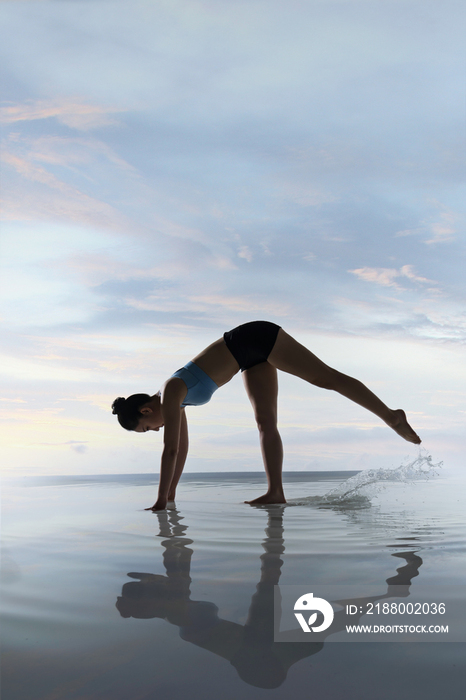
[258, 348]
[250, 648]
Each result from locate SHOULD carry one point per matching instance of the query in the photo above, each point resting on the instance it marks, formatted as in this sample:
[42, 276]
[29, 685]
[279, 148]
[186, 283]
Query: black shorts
[251, 343]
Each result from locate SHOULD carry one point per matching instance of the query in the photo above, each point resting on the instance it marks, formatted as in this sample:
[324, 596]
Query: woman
[258, 349]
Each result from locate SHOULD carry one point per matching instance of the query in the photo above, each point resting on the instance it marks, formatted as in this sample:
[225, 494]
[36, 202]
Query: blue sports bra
[200, 385]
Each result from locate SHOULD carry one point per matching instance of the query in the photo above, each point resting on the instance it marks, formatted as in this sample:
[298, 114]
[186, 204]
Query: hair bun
[117, 405]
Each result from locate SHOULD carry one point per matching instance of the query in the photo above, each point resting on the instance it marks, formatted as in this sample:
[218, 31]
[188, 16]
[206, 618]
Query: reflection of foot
[268, 498]
[401, 426]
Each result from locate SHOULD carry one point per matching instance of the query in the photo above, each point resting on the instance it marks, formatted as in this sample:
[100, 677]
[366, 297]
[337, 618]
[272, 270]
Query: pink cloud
[72, 113]
[386, 276]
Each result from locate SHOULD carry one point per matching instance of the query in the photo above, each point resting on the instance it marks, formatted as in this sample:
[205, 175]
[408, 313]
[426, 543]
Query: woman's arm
[174, 448]
[183, 446]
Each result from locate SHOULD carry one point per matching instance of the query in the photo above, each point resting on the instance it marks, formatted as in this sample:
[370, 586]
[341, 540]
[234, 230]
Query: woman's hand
[173, 458]
[160, 504]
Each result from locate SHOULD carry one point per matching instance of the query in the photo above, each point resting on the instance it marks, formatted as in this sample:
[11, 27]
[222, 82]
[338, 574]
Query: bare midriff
[218, 362]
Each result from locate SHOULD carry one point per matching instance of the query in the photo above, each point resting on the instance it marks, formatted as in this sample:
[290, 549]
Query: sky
[173, 168]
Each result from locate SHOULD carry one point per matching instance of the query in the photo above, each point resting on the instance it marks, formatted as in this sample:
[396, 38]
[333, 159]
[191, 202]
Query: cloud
[51, 198]
[438, 228]
[245, 253]
[410, 232]
[75, 445]
[72, 151]
[72, 113]
[386, 276]
[442, 231]
[436, 318]
[48, 178]
[79, 447]
[104, 270]
[248, 304]
[407, 271]
[380, 275]
[209, 304]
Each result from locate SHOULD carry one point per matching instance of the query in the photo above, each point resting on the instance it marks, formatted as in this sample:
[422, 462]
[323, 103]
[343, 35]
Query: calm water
[103, 600]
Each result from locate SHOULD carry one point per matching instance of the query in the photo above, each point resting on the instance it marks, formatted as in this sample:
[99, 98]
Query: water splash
[356, 492]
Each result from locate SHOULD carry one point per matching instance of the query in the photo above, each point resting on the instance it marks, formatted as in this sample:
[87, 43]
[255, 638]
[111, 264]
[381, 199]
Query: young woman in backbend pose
[258, 348]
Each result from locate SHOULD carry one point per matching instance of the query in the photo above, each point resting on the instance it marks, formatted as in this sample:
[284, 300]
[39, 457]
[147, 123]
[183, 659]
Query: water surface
[104, 600]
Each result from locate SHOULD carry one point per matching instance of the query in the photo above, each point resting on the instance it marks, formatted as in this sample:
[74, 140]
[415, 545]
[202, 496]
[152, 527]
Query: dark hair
[127, 410]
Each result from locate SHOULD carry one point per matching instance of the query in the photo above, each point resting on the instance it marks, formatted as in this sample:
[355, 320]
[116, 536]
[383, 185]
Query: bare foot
[267, 498]
[401, 426]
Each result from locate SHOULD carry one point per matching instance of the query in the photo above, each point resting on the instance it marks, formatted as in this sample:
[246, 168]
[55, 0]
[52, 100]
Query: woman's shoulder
[173, 390]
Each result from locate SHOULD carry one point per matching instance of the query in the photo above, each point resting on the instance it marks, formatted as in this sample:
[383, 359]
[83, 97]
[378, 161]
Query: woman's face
[149, 421]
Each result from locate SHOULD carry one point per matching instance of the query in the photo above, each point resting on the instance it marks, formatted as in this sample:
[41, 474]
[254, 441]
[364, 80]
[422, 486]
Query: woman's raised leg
[261, 384]
[290, 356]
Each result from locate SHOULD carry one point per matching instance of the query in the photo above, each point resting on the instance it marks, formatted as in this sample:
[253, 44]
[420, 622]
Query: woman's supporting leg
[290, 356]
[262, 388]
